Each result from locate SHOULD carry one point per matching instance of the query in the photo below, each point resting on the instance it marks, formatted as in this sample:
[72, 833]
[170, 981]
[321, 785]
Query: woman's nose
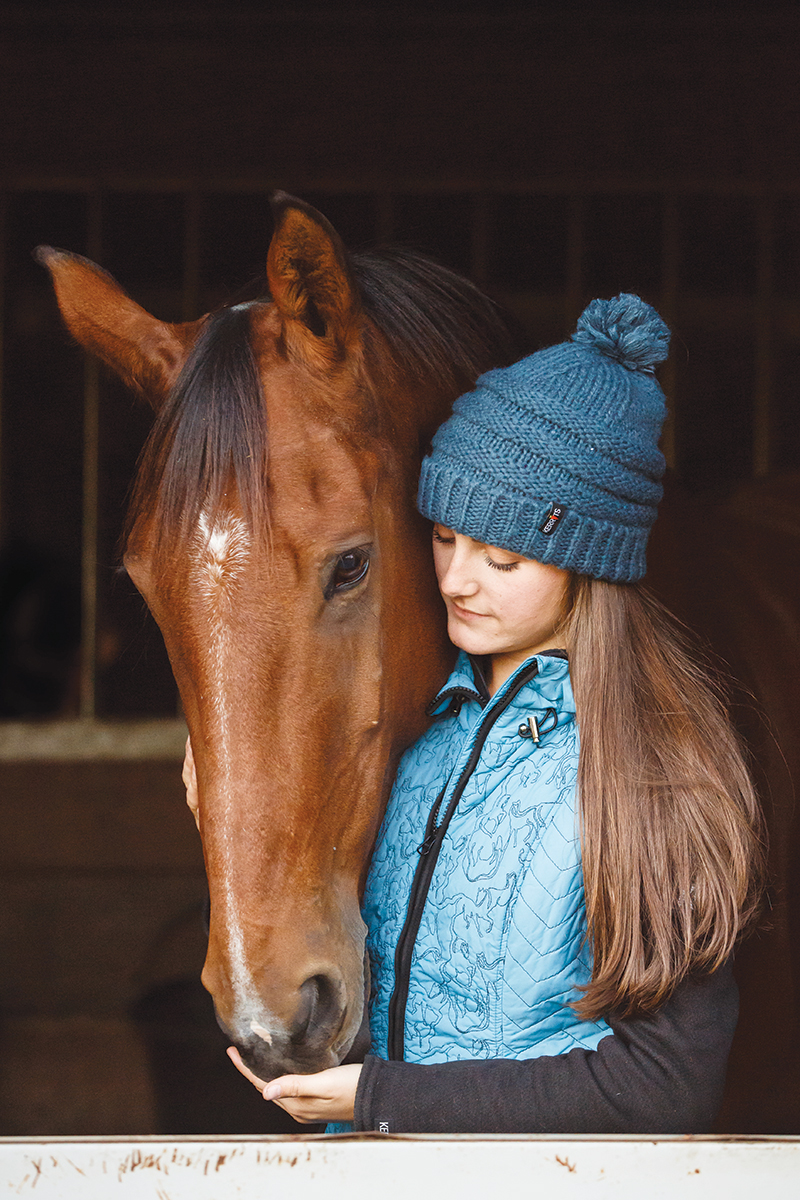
[458, 579]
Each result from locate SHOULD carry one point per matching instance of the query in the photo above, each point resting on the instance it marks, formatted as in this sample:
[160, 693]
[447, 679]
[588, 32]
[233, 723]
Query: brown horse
[273, 534]
[274, 537]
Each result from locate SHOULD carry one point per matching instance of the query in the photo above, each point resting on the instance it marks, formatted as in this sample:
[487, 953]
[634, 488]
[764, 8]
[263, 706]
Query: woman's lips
[465, 614]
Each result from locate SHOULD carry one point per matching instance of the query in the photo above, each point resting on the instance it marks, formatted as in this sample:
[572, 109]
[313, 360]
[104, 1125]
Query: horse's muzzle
[318, 1037]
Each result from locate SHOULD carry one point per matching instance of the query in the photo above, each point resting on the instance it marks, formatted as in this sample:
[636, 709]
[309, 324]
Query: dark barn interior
[551, 151]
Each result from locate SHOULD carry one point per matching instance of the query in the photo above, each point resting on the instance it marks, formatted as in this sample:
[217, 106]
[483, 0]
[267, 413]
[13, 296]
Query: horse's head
[273, 534]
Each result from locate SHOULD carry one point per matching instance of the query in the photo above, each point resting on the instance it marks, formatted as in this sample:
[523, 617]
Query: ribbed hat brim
[580, 543]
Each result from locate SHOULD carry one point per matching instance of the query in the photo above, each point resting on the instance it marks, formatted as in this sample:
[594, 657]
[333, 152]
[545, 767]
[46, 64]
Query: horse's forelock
[209, 436]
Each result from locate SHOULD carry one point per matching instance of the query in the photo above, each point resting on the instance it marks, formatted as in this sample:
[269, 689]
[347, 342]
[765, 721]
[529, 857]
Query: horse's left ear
[310, 281]
[146, 353]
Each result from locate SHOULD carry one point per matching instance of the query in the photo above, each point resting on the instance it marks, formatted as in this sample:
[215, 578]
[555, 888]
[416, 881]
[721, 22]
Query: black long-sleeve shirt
[660, 1074]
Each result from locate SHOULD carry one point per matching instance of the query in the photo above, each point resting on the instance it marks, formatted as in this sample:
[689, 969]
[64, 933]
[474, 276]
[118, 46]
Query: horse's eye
[349, 569]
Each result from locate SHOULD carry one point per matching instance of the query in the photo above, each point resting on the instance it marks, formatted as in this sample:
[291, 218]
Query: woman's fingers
[289, 1087]
[327, 1096]
[289, 1094]
[236, 1059]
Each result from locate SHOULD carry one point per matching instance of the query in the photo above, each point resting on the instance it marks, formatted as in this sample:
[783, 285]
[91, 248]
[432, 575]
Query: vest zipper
[428, 850]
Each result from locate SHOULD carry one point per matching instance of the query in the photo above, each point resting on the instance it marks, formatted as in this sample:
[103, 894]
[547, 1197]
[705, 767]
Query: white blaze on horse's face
[219, 554]
[221, 549]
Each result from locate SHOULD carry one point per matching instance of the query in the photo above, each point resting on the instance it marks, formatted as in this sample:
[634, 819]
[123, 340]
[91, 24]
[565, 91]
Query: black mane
[439, 325]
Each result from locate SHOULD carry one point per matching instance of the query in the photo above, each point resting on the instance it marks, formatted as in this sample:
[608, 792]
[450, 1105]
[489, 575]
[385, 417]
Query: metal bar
[384, 216]
[566, 185]
[191, 289]
[3, 223]
[574, 264]
[480, 239]
[190, 302]
[91, 430]
[670, 263]
[91, 475]
[762, 401]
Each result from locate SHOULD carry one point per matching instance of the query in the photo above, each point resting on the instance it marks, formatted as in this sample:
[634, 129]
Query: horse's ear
[310, 281]
[146, 353]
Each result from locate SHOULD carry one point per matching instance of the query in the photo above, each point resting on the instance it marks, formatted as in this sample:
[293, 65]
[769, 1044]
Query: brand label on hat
[551, 520]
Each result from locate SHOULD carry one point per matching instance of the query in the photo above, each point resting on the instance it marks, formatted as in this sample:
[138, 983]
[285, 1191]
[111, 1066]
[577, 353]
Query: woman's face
[498, 603]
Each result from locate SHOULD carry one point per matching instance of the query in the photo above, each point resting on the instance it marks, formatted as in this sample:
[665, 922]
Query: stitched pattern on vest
[500, 952]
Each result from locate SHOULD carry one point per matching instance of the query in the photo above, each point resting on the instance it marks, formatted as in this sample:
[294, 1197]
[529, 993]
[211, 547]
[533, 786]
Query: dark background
[552, 151]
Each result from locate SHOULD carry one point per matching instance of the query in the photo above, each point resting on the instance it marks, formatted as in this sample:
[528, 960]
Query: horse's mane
[439, 325]
[210, 434]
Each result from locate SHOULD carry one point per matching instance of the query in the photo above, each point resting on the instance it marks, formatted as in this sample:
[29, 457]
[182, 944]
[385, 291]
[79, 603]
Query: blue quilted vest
[500, 948]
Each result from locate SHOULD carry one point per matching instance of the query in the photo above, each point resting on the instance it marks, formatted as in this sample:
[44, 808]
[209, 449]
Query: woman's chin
[466, 639]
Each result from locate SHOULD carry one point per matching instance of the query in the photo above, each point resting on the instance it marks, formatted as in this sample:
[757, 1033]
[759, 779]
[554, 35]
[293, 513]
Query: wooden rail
[580, 1168]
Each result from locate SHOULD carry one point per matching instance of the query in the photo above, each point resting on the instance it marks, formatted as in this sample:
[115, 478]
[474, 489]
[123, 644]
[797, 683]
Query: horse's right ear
[311, 283]
[146, 353]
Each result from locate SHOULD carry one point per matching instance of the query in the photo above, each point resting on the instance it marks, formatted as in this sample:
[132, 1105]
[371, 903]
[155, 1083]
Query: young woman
[571, 851]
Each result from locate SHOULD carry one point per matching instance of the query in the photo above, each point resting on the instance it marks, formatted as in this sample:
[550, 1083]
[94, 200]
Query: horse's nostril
[320, 1011]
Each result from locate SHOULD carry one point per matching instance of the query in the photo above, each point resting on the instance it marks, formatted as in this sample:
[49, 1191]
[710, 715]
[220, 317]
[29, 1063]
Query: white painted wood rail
[400, 1168]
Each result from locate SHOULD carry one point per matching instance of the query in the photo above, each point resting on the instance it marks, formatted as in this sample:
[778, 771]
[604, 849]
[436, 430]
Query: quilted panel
[500, 950]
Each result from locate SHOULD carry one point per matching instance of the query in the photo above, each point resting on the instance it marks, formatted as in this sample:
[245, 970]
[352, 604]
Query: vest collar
[467, 682]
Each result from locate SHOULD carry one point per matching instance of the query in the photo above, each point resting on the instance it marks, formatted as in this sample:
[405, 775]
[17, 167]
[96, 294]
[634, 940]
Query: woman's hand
[189, 777]
[327, 1096]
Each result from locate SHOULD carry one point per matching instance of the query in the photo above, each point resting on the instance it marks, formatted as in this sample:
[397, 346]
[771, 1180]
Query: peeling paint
[350, 1168]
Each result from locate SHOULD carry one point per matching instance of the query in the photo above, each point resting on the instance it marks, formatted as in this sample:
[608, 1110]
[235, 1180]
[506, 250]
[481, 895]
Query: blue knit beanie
[556, 458]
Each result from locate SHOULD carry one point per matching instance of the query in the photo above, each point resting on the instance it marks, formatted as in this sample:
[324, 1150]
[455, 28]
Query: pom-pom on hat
[556, 457]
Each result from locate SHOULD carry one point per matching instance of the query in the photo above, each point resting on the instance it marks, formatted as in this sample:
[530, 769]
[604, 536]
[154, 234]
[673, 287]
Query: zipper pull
[424, 847]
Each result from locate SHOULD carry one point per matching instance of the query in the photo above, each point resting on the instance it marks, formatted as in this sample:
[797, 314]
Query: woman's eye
[442, 535]
[498, 566]
[349, 569]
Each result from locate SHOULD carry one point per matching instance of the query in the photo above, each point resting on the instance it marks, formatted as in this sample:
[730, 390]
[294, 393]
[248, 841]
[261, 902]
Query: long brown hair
[670, 824]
